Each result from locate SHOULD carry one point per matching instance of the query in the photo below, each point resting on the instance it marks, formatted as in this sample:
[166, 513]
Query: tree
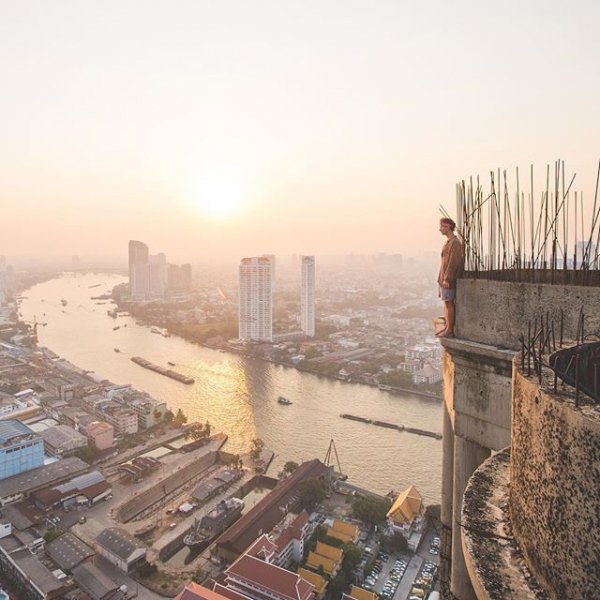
[433, 513]
[336, 587]
[168, 416]
[371, 511]
[394, 543]
[289, 467]
[157, 416]
[52, 534]
[352, 556]
[257, 447]
[312, 491]
[199, 432]
[180, 418]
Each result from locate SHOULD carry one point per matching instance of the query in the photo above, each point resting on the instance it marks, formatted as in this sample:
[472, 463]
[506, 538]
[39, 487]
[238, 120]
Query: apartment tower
[307, 296]
[138, 269]
[255, 315]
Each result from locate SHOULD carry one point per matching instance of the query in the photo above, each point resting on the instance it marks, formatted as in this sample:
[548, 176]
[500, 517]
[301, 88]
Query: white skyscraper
[307, 296]
[138, 269]
[255, 315]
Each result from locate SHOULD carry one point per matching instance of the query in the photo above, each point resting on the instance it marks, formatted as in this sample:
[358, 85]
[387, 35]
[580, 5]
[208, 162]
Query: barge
[138, 360]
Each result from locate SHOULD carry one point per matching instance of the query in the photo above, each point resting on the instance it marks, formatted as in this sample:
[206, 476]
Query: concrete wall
[555, 489]
[497, 312]
[477, 392]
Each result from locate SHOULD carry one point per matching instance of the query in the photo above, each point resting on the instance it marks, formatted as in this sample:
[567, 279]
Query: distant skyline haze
[233, 129]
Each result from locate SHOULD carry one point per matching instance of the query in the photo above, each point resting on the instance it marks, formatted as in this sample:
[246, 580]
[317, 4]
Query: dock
[386, 425]
[138, 360]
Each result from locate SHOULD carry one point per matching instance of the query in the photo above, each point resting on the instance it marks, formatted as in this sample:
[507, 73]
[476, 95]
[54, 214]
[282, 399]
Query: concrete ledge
[484, 352]
[494, 561]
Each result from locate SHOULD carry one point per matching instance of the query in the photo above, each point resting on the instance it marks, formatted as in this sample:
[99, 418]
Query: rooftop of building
[275, 580]
[89, 485]
[194, 591]
[36, 571]
[63, 436]
[94, 582]
[67, 551]
[270, 510]
[12, 429]
[42, 476]
[407, 507]
[119, 542]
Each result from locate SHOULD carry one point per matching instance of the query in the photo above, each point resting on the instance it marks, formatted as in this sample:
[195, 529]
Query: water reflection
[238, 395]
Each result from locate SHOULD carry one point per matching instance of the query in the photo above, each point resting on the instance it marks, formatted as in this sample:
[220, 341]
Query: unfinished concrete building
[521, 431]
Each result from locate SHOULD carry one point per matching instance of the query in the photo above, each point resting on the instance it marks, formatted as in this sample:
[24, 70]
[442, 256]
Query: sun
[220, 196]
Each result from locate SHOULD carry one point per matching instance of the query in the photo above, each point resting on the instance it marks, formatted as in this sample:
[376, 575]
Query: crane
[329, 459]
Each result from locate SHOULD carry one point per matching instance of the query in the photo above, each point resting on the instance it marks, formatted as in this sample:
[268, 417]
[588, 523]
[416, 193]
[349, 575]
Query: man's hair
[449, 222]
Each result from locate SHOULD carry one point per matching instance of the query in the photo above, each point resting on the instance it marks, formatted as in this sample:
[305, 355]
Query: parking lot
[401, 577]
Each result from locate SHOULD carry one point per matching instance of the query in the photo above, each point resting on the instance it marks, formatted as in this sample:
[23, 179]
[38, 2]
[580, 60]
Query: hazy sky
[317, 127]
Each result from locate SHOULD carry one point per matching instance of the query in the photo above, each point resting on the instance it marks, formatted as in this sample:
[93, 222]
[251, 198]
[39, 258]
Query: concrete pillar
[467, 457]
[447, 498]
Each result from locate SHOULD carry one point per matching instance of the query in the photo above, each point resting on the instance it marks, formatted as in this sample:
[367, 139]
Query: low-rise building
[84, 489]
[406, 515]
[269, 511]
[123, 420]
[20, 449]
[428, 375]
[120, 548]
[255, 576]
[62, 440]
[291, 542]
[326, 558]
[26, 574]
[343, 531]
[22, 485]
[100, 434]
[318, 582]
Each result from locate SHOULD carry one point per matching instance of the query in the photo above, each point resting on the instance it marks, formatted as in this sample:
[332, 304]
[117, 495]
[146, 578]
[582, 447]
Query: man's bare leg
[450, 312]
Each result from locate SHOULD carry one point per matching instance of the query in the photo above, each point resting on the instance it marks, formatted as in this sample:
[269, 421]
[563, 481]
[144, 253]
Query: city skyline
[338, 127]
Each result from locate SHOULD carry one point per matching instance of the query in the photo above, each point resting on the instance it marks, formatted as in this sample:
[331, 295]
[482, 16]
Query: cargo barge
[138, 360]
[415, 430]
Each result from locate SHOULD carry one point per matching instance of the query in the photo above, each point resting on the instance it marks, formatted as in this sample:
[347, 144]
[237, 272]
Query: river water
[238, 395]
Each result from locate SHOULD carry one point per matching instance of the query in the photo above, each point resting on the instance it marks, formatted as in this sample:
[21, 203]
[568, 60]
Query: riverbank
[254, 352]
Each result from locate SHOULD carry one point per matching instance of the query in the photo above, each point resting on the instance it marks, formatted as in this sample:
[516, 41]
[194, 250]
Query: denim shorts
[447, 294]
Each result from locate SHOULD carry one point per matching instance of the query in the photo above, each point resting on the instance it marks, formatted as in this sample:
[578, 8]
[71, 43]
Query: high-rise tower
[138, 269]
[307, 296]
[255, 299]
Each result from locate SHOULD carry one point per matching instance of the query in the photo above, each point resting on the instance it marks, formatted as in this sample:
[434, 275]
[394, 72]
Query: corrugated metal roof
[11, 428]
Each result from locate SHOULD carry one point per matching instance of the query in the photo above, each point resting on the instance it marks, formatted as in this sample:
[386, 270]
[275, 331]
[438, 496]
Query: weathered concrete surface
[446, 512]
[555, 488]
[497, 312]
[467, 457]
[493, 558]
[477, 391]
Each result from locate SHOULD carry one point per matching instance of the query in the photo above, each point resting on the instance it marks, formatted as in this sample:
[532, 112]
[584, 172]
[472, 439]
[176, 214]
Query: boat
[215, 522]
[385, 388]
[63, 301]
[116, 350]
[171, 364]
[154, 330]
[117, 327]
[284, 401]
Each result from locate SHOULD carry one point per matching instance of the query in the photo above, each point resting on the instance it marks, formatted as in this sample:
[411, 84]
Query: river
[238, 395]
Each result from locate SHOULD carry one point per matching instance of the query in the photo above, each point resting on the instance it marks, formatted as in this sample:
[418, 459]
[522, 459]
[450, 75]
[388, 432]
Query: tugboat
[215, 522]
[284, 401]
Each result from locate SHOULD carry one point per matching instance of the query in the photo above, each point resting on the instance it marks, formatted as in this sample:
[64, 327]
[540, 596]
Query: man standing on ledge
[450, 270]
